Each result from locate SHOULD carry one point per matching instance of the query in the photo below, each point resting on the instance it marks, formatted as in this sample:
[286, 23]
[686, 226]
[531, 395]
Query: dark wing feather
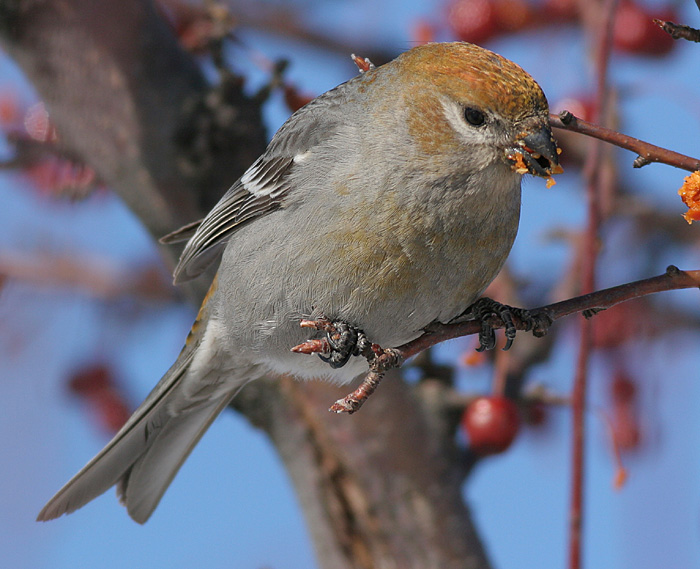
[183, 234]
[259, 191]
[263, 187]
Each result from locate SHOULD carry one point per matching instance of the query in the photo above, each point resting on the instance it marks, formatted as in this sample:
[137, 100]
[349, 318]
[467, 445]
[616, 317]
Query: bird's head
[470, 99]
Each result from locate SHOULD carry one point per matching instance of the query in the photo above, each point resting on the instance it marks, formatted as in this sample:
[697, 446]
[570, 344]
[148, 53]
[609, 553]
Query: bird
[388, 203]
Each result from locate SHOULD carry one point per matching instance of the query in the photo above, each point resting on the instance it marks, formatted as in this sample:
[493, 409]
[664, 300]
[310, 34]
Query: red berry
[636, 32]
[580, 105]
[472, 20]
[423, 32]
[560, 10]
[491, 424]
[512, 15]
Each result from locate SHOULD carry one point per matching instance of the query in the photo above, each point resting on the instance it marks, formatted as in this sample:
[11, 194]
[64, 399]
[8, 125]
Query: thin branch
[647, 152]
[589, 304]
[679, 31]
[672, 279]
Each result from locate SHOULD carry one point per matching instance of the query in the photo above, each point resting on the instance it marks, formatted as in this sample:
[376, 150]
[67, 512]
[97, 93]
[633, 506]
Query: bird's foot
[493, 315]
[342, 341]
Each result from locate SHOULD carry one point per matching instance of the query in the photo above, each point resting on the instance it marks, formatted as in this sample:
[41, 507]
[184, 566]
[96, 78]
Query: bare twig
[679, 31]
[381, 362]
[647, 152]
[672, 279]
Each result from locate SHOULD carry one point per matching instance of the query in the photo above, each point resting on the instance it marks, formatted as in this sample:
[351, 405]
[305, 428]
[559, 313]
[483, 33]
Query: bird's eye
[474, 116]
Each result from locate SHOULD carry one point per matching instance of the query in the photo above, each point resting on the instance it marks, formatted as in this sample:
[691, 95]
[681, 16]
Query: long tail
[144, 456]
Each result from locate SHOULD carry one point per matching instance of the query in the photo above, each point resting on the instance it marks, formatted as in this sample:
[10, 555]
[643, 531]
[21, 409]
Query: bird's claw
[342, 341]
[485, 309]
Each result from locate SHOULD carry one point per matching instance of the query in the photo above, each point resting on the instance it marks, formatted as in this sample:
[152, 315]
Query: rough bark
[379, 489]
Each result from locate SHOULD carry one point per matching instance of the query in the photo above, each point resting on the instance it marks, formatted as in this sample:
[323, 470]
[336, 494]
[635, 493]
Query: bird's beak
[536, 152]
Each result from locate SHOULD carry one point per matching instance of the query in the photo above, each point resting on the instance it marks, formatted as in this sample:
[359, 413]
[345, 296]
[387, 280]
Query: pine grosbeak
[389, 203]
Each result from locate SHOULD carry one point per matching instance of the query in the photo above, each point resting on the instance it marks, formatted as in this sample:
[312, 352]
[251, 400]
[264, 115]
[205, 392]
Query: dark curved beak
[539, 152]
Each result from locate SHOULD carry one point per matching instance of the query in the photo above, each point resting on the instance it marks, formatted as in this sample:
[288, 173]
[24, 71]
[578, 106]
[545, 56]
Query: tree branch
[589, 304]
[672, 279]
[647, 152]
[679, 31]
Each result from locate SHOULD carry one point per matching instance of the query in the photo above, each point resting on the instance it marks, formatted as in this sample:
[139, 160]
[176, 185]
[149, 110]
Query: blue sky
[232, 504]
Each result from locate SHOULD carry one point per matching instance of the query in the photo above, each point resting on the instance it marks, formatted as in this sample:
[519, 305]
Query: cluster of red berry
[477, 21]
